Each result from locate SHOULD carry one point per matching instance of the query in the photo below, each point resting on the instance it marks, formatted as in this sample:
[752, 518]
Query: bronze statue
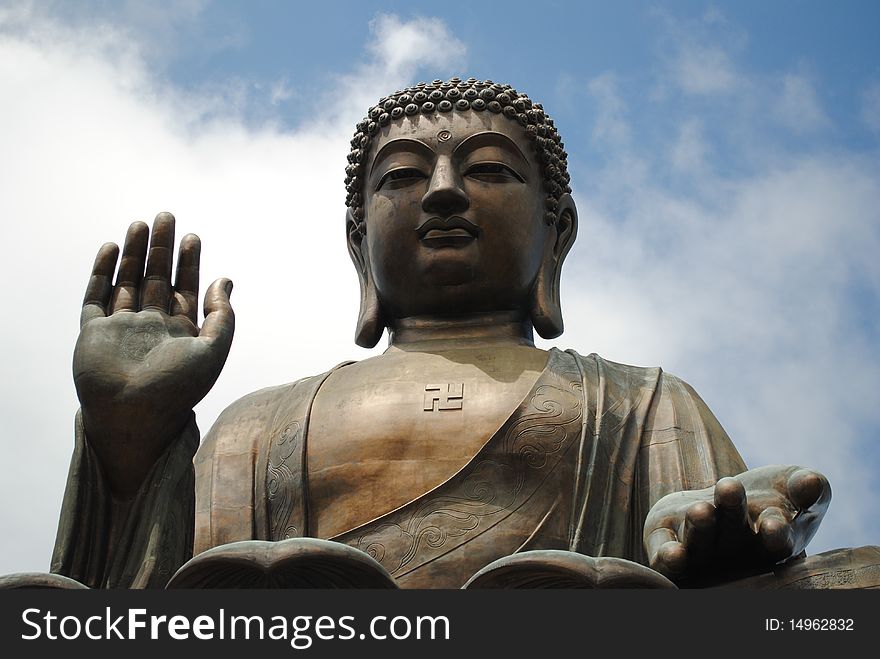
[462, 446]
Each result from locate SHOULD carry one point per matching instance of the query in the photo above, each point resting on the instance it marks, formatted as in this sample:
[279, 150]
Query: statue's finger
[100, 286]
[156, 288]
[806, 488]
[219, 324]
[126, 293]
[700, 530]
[730, 500]
[774, 530]
[185, 301]
[655, 540]
[732, 514]
[671, 559]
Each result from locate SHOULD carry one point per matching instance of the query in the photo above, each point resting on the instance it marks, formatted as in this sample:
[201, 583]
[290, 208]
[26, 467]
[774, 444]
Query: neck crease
[465, 331]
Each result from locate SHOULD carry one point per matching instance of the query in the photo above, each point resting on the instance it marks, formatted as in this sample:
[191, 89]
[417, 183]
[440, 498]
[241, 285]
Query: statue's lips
[448, 237]
[451, 232]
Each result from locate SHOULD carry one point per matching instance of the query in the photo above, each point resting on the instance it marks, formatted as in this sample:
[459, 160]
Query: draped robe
[576, 466]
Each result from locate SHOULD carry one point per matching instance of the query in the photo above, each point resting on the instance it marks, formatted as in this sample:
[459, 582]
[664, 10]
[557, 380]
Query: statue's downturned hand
[743, 523]
[141, 362]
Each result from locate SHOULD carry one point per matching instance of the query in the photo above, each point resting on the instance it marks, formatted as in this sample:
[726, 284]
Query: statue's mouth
[450, 232]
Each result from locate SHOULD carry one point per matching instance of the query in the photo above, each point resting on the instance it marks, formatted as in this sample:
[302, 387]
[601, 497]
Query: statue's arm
[708, 514]
[683, 445]
[104, 541]
[140, 365]
[230, 472]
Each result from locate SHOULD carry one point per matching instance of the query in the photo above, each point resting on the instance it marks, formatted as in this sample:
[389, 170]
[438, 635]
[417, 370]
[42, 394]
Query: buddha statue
[462, 444]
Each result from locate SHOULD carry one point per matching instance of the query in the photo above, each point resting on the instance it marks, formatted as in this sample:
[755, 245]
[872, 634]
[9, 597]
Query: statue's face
[454, 208]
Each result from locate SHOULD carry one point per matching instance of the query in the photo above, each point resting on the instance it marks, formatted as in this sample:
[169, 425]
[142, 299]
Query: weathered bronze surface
[293, 563]
[840, 569]
[39, 581]
[460, 446]
[565, 569]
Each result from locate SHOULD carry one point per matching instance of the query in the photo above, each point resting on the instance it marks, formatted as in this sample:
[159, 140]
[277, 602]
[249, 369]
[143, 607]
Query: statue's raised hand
[743, 523]
[141, 362]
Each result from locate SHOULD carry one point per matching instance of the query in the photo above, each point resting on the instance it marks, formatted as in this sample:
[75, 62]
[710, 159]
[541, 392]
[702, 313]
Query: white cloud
[689, 150]
[704, 69]
[280, 91]
[610, 129]
[93, 140]
[399, 51]
[402, 47]
[798, 106]
[697, 54]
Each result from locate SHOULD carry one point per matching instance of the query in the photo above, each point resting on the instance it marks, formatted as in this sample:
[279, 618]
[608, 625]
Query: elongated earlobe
[370, 323]
[546, 306]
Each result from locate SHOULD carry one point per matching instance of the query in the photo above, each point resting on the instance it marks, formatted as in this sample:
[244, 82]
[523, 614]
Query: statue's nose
[445, 195]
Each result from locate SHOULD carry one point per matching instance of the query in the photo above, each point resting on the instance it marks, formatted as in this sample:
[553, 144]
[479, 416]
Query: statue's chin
[448, 273]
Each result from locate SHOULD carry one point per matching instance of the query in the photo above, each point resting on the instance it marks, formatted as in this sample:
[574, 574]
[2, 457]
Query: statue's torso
[384, 431]
[541, 451]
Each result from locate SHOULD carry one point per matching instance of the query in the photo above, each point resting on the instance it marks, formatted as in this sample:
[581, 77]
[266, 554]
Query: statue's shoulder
[668, 403]
[621, 378]
[596, 365]
[250, 417]
[255, 405]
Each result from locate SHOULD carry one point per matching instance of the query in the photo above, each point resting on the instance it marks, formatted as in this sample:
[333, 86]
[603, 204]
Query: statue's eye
[492, 172]
[401, 176]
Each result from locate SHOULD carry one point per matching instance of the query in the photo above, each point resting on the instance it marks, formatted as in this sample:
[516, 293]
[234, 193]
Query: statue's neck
[466, 331]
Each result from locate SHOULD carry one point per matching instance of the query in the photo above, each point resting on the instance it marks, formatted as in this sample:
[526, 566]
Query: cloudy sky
[724, 161]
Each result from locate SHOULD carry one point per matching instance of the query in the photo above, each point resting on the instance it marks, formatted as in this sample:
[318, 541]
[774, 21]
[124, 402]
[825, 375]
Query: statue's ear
[370, 324]
[546, 308]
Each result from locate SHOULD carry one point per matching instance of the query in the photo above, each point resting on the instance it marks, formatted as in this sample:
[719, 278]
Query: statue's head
[458, 203]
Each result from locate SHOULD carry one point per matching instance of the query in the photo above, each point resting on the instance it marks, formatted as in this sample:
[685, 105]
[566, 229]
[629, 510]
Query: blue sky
[724, 159]
[201, 43]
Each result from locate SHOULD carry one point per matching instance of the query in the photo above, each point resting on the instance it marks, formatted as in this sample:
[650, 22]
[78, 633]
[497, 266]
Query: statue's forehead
[442, 131]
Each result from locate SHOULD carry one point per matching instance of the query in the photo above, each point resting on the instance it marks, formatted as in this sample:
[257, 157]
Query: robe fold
[154, 539]
[576, 466]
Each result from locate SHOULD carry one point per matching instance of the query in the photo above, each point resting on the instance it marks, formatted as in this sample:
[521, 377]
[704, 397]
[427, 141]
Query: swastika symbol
[443, 397]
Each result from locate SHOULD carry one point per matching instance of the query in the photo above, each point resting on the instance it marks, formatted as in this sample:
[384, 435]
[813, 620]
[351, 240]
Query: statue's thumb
[218, 294]
[219, 318]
